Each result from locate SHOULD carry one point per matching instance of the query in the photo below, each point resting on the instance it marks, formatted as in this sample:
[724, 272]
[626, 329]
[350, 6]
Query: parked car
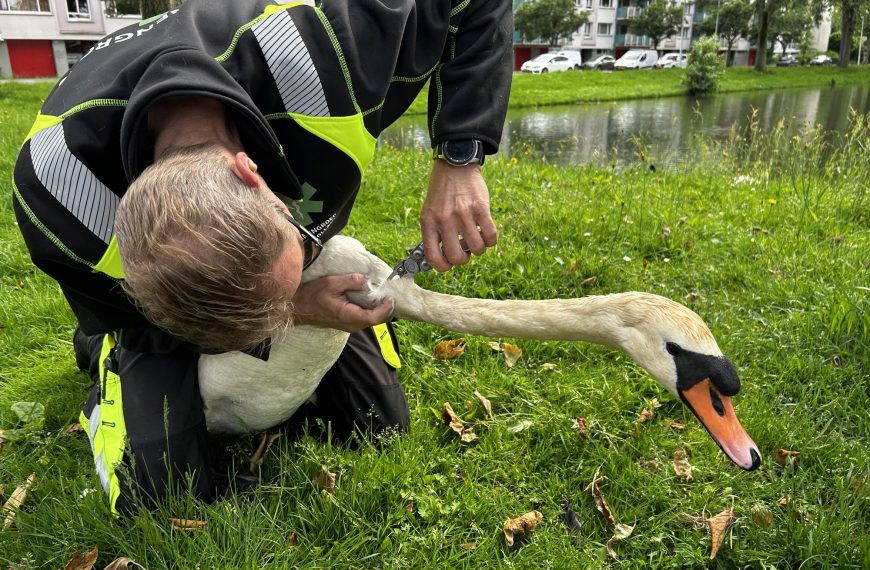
[672, 60]
[821, 59]
[547, 62]
[637, 59]
[601, 62]
[788, 60]
[573, 55]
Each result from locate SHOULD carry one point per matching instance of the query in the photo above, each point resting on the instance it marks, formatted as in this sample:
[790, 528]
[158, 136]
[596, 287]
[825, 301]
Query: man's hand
[457, 205]
[323, 303]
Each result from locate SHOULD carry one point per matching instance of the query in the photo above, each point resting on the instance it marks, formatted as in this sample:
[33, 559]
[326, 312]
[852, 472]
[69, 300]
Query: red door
[31, 58]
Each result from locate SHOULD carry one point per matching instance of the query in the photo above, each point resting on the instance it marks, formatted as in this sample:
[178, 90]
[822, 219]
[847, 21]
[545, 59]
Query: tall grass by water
[766, 236]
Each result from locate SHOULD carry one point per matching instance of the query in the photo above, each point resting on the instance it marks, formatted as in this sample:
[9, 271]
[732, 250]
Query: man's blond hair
[199, 247]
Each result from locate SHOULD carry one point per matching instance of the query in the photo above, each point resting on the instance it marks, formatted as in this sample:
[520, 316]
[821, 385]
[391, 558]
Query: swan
[243, 394]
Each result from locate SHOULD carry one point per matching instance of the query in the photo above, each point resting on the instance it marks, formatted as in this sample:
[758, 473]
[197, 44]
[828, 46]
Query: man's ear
[246, 170]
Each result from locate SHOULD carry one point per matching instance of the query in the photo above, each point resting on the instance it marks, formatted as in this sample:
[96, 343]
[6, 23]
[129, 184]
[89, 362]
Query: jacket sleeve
[468, 94]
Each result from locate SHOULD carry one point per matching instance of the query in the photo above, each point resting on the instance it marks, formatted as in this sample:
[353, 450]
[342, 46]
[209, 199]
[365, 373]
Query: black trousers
[145, 419]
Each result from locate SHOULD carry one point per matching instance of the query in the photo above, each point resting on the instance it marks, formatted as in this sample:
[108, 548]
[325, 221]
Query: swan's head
[678, 350]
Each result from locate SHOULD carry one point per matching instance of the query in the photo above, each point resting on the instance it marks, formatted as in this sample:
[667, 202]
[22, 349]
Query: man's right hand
[324, 303]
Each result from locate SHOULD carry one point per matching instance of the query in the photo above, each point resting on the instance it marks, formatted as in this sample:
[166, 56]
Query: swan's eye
[673, 348]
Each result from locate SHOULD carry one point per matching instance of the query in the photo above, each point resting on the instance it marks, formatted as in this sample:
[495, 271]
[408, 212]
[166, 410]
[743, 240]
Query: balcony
[631, 40]
[625, 12]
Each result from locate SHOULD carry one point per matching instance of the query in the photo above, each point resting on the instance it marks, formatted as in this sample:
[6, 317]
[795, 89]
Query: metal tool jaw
[412, 265]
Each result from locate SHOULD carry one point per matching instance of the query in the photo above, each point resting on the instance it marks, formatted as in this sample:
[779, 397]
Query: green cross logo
[302, 209]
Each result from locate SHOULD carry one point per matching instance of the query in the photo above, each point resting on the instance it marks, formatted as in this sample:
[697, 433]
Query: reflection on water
[665, 128]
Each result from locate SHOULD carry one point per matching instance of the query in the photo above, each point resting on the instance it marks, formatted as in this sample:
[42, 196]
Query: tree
[150, 8]
[658, 20]
[850, 11]
[550, 20]
[704, 69]
[791, 26]
[729, 21]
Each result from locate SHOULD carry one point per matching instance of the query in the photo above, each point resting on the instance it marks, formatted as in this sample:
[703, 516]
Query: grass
[761, 236]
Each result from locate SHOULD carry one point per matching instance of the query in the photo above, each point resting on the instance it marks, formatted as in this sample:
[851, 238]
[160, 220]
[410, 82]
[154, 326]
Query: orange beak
[716, 413]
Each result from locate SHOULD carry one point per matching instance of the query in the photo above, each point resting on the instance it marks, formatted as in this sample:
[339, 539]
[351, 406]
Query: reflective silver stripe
[102, 471]
[99, 460]
[291, 65]
[93, 422]
[71, 183]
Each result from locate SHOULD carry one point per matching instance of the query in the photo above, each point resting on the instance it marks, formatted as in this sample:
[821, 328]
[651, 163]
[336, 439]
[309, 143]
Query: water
[666, 128]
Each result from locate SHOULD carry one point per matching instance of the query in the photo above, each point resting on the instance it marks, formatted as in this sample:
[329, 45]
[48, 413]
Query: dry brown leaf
[677, 425]
[293, 539]
[512, 354]
[494, 346]
[783, 501]
[648, 464]
[581, 426]
[409, 507]
[620, 532]
[600, 502]
[260, 453]
[781, 456]
[698, 523]
[719, 526]
[448, 349]
[325, 481]
[520, 525]
[451, 420]
[589, 281]
[187, 524]
[13, 503]
[548, 366]
[122, 563]
[487, 405]
[83, 561]
[681, 465]
[73, 428]
[645, 414]
[666, 232]
[2, 438]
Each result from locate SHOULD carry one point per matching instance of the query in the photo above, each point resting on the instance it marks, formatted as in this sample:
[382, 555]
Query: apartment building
[43, 38]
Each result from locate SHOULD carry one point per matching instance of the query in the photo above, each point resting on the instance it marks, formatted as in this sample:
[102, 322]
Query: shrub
[705, 69]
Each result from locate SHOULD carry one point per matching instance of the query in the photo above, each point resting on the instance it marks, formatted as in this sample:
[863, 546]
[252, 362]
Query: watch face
[459, 151]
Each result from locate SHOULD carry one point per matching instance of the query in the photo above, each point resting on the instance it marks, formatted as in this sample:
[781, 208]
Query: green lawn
[760, 238]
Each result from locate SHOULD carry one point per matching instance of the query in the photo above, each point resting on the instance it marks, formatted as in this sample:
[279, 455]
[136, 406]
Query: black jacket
[309, 91]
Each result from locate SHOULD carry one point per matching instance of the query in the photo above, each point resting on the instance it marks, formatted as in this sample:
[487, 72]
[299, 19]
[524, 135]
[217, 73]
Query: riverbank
[597, 86]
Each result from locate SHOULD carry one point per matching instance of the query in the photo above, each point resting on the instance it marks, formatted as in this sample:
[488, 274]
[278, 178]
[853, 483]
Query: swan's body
[242, 393]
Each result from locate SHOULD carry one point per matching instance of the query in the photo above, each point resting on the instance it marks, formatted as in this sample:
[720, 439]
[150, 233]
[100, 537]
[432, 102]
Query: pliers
[416, 263]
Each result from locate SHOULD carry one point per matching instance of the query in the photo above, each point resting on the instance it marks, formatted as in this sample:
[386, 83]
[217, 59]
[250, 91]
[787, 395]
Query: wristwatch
[460, 152]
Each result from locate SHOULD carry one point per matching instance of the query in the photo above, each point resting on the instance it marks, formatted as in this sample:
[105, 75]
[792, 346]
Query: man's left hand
[457, 205]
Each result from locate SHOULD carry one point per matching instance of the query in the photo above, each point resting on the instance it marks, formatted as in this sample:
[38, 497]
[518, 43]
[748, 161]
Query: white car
[637, 59]
[672, 60]
[549, 62]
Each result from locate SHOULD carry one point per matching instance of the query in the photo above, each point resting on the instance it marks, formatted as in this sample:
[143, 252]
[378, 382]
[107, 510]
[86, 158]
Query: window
[25, 6]
[78, 10]
[605, 29]
[589, 4]
[114, 8]
[605, 4]
[587, 29]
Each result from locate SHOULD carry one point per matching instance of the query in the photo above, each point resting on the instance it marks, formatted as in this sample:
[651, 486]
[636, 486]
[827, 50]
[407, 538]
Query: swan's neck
[597, 319]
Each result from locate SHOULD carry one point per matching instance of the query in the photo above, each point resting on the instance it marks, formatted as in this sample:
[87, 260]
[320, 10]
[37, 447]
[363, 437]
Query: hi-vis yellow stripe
[42, 122]
[110, 437]
[385, 341]
[110, 263]
[346, 133]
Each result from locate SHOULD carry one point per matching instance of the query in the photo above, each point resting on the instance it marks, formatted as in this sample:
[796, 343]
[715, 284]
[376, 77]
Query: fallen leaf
[548, 366]
[325, 481]
[677, 425]
[451, 420]
[589, 281]
[469, 546]
[2, 439]
[494, 346]
[600, 502]
[448, 349]
[487, 405]
[13, 503]
[409, 507]
[260, 453]
[782, 455]
[581, 426]
[719, 525]
[83, 561]
[512, 354]
[681, 465]
[666, 232]
[620, 532]
[122, 563]
[646, 414]
[73, 428]
[697, 523]
[293, 539]
[648, 464]
[187, 524]
[761, 515]
[783, 501]
[520, 525]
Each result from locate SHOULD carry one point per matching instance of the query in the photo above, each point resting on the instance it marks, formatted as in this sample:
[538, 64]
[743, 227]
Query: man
[164, 167]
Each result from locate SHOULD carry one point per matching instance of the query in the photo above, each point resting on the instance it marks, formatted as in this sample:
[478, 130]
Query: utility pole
[861, 42]
[716, 27]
